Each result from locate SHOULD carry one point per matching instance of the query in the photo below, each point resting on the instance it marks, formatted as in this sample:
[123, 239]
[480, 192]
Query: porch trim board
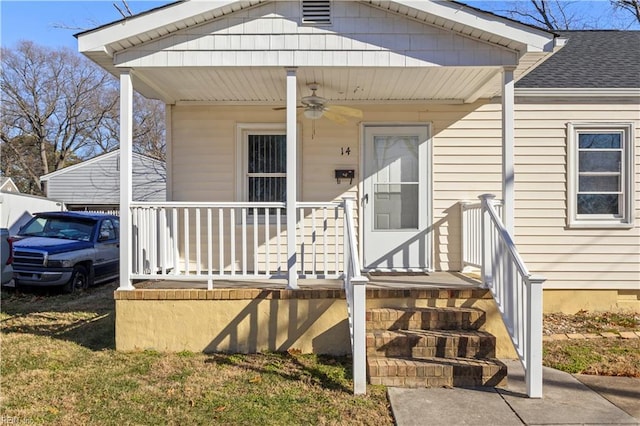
[126, 179]
[292, 158]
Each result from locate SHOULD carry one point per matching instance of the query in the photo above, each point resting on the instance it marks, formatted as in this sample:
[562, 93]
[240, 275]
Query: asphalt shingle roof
[590, 59]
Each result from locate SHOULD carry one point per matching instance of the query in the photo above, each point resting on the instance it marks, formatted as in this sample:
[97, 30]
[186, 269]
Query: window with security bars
[266, 168]
[600, 166]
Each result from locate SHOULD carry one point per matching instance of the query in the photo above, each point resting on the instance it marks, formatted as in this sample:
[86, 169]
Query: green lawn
[59, 366]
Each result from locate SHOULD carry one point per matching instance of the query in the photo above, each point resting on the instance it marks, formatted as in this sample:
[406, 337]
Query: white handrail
[355, 289]
[517, 293]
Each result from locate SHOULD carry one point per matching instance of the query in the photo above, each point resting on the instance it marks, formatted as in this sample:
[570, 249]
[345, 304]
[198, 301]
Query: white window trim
[627, 179]
[242, 161]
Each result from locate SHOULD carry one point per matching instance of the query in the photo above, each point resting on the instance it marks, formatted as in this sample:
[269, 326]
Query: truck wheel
[79, 280]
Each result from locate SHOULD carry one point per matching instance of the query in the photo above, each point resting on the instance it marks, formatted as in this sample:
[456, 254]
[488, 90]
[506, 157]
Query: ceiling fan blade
[344, 110]
[283, 108]
[334, 117]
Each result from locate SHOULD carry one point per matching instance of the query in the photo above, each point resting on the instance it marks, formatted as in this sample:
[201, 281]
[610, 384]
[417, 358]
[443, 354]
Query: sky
[52, 23]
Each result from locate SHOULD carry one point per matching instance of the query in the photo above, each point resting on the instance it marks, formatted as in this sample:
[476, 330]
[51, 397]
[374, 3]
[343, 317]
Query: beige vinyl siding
[569, 258]
[204, 153]
[466, 163]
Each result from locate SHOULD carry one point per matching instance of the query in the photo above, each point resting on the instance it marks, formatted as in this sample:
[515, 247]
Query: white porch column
[292, 133]
[126, 187]
[508, 142]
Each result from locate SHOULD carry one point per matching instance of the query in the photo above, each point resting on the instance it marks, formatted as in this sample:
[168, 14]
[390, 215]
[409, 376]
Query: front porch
[405, 123]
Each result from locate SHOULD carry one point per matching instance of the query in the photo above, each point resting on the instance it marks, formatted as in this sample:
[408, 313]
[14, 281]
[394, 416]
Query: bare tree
[548, 14]
[560, 15]
[58, 108]
[632, 6]
[149, 127]
[55, 101]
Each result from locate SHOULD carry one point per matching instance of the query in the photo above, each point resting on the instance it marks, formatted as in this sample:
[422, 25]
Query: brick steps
[432, 346]
[425, 319]
[436, 372]
[431, 343]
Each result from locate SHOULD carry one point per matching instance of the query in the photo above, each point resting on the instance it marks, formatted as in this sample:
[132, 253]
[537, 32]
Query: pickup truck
[69, 249]
[6, 276]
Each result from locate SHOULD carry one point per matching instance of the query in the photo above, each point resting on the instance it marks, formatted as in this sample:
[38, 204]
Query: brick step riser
[433, 382]
[423, 324]
[444, 376]
[432, 346]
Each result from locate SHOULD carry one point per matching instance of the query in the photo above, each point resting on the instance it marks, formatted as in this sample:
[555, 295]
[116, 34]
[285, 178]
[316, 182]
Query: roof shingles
[590, 59]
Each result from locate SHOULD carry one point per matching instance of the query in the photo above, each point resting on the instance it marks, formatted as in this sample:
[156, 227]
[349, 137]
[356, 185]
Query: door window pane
[395, 206]
[396, 158]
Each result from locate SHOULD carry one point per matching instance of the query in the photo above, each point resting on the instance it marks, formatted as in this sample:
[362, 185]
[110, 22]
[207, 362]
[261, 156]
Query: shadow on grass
[326, 371]
[86, 318]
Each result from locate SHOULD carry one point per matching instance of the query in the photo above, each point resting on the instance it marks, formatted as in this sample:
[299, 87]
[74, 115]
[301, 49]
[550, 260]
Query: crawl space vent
[316, 12]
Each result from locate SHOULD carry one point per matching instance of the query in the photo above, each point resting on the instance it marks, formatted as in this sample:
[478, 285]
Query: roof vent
[316, 12]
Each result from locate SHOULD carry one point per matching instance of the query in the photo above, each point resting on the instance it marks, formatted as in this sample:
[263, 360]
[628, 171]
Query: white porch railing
[226, 241]
[472, 244]
[355, 290]
[517, 293]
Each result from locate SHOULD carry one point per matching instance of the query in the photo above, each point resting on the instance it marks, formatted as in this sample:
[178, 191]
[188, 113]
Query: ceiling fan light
[313, 113]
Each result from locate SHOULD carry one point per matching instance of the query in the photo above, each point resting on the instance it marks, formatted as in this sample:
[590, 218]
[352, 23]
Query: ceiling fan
[316, 107]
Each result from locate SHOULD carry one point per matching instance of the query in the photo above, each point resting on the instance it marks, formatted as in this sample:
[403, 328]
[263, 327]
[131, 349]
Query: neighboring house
[95, 184]
[16, 209]
[7, 185]
[409, 112]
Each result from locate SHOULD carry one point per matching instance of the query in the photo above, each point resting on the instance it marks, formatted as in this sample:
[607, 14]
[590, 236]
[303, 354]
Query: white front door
[397, 198]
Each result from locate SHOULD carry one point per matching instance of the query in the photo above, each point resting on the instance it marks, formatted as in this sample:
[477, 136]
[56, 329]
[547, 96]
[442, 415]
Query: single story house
[384, 145]
[94, 184]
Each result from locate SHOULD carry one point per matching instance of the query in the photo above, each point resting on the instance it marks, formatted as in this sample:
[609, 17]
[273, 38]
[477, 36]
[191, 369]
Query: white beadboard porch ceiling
[346, 85]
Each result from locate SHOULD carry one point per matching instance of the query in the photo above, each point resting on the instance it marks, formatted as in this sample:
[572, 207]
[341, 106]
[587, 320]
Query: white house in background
[8, 185]
[95, 184]
[334, 139]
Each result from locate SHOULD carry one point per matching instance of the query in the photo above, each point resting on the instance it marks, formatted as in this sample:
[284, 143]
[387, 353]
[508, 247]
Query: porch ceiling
[266, 85]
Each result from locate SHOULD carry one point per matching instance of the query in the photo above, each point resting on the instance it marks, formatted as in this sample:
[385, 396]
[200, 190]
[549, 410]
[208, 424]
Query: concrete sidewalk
[567, 401]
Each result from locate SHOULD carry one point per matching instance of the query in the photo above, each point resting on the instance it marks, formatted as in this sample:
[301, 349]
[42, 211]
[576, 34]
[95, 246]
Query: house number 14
[346, 150]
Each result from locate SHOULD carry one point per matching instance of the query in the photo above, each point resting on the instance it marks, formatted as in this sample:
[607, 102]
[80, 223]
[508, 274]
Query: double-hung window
[262, 162]
[266, 167]
[600, 175]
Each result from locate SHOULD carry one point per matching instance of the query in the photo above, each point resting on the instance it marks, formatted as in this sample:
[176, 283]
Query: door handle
[365, 199]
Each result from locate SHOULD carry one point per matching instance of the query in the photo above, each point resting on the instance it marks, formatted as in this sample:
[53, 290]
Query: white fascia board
[64, 170]
[578, 92]
[536, 40]
[100, 38]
